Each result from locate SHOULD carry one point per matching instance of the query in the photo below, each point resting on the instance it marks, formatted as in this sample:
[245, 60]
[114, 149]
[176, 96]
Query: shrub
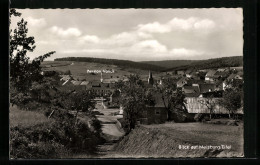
[55, 140]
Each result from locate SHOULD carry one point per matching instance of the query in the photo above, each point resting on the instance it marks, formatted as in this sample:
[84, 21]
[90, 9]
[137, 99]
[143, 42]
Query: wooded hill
[234, 61]
[167, 65]
[120, 63]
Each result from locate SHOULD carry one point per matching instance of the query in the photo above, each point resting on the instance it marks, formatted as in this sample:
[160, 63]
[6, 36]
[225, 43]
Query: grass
[163, 140]
[26, 118]
[79, 70]
[204, 134]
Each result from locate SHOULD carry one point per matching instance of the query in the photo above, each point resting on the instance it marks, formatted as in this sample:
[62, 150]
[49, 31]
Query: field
[164, 140]
[79, 70]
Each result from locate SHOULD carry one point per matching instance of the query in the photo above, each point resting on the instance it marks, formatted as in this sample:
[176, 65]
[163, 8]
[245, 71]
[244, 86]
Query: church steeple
[150, 78]
[101, 78]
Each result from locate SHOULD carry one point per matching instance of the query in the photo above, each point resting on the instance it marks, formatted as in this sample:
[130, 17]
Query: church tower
[150, 78]
[101, 78]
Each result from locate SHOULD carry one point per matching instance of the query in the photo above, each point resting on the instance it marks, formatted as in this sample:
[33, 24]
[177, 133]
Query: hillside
[120, 63]
[170, 63]
[163, 140]
[157, 66]
[211, 63]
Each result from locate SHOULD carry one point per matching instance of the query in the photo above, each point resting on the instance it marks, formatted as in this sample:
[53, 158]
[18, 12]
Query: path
[111, 128]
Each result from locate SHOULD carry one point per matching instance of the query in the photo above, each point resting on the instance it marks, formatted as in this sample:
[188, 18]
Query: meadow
[79, 70]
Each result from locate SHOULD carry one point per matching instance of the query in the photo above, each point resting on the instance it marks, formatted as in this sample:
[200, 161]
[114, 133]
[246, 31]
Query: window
[157, 111]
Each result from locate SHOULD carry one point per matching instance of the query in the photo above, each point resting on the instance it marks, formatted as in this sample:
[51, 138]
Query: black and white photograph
[126, 83]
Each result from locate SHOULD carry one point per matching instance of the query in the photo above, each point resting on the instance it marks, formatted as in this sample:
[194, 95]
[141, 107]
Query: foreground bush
[58, 139]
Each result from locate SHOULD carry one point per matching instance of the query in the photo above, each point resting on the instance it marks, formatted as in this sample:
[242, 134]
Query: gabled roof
[211, 73]
[221, 69]
[188, 71]
[182, 79]
[75, 82]
[219, 73]
[191, 91]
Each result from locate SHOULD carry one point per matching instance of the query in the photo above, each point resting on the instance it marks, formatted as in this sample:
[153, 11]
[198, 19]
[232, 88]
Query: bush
[27, 143]
[55, 140]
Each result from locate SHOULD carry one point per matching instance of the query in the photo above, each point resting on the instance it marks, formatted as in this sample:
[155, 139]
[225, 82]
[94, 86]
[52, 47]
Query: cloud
[90, 39]
[191, 23]
[183, 52]
[154, 27]
[36, 22]
[152, 46]
[70, 32]
[127, 38]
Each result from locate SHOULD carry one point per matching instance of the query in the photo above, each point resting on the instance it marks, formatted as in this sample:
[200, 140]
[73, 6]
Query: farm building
[193, 105]
[153, 114]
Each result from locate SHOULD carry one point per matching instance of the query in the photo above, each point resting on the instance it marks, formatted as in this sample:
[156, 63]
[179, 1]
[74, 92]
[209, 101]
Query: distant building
[150, 78]
[180, 72]
[239, 68]
[210, 75]
[100, 89]
[154, 114]
[194, 106]
[182, 82]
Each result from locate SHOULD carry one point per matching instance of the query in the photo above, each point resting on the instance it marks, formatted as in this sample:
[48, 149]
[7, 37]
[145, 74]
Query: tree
[233, 96]
[134, 99]
[173, 97]
[210, 103]
[232, 100]
[80, 101]
[23, 72]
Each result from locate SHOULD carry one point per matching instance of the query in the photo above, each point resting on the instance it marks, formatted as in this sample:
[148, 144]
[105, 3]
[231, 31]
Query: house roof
[219, 73]
[111, 80]
[182, 79]
[221, 69]
[191, 91]
[188, 71]
[75, 82]
[211, 73]
[84, 83]
[230, 77]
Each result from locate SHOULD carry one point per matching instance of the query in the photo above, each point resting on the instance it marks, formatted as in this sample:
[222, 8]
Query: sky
[136, 34]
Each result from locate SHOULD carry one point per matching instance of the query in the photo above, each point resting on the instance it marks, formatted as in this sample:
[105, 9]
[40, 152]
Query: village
[169, 86]
[197, 86]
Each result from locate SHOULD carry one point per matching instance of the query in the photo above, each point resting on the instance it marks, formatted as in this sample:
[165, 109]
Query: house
[210, 75]
[111, 80]
[154, 114]
[76, 82]
[69, 85]
[232, 78]
[182, 82]
[99, 88]
[84, 83]
[180, 72]
[239, 68]
[188, 73]
[191, 91]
